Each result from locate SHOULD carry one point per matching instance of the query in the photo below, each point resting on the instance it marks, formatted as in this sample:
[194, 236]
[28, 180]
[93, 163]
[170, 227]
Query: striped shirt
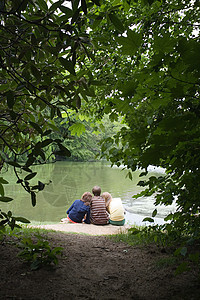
[98, 213]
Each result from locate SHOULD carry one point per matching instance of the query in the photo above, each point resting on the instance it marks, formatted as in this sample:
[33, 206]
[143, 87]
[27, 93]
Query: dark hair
[96, 190]
[86, 198]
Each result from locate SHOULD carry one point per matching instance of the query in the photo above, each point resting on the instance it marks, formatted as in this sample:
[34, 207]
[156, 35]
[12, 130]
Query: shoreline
[82, 228]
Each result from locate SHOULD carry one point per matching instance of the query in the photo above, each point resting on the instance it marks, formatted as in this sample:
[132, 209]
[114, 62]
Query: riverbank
[95, 268]
[84, 228]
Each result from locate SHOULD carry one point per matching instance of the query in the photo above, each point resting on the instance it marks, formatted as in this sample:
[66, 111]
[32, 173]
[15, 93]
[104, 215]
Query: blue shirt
[77, 211]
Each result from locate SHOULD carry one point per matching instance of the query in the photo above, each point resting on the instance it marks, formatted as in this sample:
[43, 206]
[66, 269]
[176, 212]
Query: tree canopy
[135, 59]
[155, 84]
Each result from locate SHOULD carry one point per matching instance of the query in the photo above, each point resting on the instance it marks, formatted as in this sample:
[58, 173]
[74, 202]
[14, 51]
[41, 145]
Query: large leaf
[10, 98]
[77, 129]
[84, 6]
[1, 190]
[116, 22]
[63, 151]
[67, 65]
[131, 43]
[5, 199]
[33, 198]
[67, 11]
[14, 164]
[21, 219]
[42, 4]
[36, 127]
[30, 176]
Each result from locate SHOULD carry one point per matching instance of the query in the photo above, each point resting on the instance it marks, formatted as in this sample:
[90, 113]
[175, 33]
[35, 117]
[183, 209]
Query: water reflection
[69, 180]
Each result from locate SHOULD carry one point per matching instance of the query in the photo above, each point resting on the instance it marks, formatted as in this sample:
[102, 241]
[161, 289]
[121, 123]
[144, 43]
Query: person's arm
[87, 219]
[70, 208]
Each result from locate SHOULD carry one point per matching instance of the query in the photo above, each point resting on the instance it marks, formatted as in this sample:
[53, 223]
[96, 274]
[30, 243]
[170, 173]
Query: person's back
[98, 213]
[80, 208]
[116, 210]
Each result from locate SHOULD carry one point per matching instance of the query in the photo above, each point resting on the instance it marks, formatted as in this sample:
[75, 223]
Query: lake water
[69, 181]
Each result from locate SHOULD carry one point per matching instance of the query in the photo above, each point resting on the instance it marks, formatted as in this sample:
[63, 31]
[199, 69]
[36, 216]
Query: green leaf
[154, 213]
[19, 181]
[63, 151]
[67, 65]
[75, 4]
[35, 72]
[4, 87]
[67, 11]
[141, 183]
[183, 267]
[84, 6]
[47, 132]
[97, 83]
[5, 199]
[41, 186]
[30, 161]
[33, 198]
[165, 43]
[14, 164]
[30, 176]
[35, 265]
[21, 219]
[46, 142]
[36, 127]
[148, 220]
[3, 181]
[43, 5]
[133, 230]
[77, 129]
[10, 98]
[27, 169]
[116, 22]
[131, 43]
[56, 5]
[129, 175]
[183, 251]
[97, 2]
[1, 189]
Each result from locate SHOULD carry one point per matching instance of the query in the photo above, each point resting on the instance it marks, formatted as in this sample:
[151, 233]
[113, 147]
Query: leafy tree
[155, 79]
[83, 135]
[136, 59]
[42, 53]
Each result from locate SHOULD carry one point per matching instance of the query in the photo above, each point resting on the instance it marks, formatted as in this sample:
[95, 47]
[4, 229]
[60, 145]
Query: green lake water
[69, 180]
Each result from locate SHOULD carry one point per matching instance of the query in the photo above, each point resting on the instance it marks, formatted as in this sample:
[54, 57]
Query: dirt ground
[95, 267]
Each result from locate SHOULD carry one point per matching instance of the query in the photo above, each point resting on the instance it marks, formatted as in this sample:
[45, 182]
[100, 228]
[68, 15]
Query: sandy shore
[85, 228]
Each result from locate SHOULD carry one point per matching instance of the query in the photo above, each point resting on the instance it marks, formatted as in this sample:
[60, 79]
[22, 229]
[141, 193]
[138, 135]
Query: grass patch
[166, 262]
[135, 236]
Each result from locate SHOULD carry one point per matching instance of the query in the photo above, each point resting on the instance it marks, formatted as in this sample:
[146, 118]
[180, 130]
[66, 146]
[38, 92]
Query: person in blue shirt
[79, 211]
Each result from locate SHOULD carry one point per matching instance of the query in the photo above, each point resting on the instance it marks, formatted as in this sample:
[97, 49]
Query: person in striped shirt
[98, 213]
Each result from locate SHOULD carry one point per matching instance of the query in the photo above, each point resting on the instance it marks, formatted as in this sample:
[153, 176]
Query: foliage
[38, 254]
[135, 59]
[42, 52]
[152, 78]
[85, 147]
[10, 220]
[184, 254]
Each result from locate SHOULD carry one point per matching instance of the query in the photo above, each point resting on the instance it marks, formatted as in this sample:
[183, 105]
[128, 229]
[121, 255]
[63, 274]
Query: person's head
[86, 198]
[107, 197]
[96, 190]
